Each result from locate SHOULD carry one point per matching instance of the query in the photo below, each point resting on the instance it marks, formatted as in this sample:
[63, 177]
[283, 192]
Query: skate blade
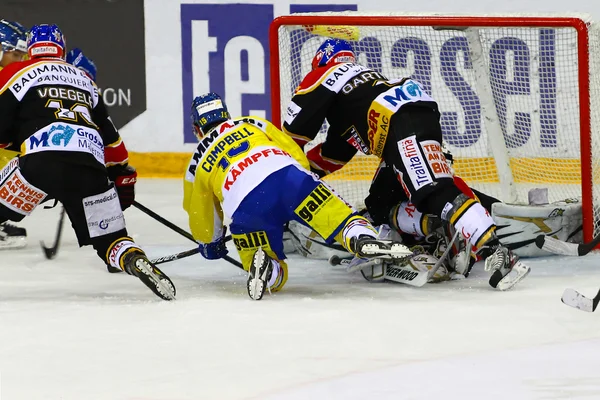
[518, 272]
[13, 242]
[375, 250]
[257, 284]
[162, 287]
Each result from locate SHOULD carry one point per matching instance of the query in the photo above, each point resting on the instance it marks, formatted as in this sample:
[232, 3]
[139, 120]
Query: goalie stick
[555, 246]
[573, 298]
[408, 276]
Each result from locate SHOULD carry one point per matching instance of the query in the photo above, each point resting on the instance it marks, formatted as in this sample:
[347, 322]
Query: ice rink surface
[70, 330]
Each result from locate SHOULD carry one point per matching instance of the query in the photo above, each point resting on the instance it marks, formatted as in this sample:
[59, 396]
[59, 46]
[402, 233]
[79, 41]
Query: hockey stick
[173, 257]
[177, 229]
[573, 298]
[408, 276]
[549, 244]
[50, 252]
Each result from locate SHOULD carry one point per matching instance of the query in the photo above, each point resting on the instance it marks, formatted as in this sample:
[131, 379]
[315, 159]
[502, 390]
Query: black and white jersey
[47, 104]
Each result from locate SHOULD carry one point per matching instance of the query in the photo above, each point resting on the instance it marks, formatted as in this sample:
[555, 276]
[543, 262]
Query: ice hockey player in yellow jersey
[247, 170]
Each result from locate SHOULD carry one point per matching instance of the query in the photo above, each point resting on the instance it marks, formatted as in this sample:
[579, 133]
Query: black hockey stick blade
[573, 298]
[173, 257]
[50, 252]
[555, 246]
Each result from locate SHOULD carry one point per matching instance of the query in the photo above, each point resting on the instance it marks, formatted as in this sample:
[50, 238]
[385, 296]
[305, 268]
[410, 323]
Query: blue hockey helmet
[79, 60]
[333, 51]
[12, 36]
[208, 111]
[46, 41]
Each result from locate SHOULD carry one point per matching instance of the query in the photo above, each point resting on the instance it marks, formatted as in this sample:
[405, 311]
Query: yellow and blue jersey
[228, 164]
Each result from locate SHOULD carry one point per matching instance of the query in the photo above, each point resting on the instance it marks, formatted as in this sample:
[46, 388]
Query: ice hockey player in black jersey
[13, 48]
[399, 122]
[69, 151]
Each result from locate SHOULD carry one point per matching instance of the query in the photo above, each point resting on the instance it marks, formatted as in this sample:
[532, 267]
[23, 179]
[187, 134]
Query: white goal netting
[519, 97]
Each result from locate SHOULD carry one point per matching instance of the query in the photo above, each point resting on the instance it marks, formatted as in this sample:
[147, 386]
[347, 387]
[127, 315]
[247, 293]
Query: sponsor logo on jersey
[340, 75]
[50, 73]
[436, 159]
[60, 137]
[103, 213]
[408, 92]
[379, 124]
[241, 165]
[360, 79]
[316, 200]
[400, 273]
[414, 163]
[355, 140]
[292, 111]
[101, 200]
[250, 241]
[19, 195]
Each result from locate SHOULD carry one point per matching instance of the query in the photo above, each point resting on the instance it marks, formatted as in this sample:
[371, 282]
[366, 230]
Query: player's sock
[12, 237]
[125, 254]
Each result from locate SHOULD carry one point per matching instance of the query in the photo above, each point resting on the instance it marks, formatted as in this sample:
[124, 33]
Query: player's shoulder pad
[12, 70]
[333, 78]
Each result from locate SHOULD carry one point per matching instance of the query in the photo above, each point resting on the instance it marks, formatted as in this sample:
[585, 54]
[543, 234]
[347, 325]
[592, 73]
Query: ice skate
[12, 237]
[369, 247]
[259, 274]
[137, 264]
[507, 269]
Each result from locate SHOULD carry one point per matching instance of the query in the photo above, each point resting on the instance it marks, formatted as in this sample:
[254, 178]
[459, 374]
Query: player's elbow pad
[320, 165]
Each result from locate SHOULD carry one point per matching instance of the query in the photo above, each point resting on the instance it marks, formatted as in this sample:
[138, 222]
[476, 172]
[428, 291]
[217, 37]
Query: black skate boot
[507, 269]
[12, 237]
[259, 274]
[137, 264]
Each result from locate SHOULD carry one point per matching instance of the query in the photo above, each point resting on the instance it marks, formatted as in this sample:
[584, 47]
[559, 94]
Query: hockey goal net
[519, 96]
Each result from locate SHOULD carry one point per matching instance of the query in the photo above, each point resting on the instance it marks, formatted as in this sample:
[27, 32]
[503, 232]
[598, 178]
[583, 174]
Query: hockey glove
[214, 250]
[124, 177]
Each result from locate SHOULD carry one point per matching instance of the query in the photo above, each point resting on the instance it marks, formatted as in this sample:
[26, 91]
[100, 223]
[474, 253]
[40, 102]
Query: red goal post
[519, 95]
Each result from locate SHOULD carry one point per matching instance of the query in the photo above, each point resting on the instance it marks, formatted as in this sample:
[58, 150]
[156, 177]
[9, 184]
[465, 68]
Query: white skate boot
[507, 269]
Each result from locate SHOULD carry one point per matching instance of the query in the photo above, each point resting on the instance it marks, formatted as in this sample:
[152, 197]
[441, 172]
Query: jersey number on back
[78, 112]
[241, 148]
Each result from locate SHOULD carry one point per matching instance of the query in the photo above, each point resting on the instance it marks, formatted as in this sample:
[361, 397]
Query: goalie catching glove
[125, 178]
